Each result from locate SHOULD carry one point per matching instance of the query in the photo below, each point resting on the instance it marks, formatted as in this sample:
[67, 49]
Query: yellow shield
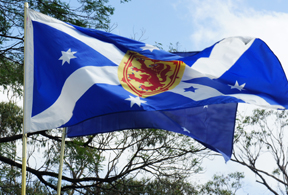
[146, 77]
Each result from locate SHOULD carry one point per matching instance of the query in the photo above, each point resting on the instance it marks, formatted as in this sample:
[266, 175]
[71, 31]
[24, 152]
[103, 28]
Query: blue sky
[197, 24]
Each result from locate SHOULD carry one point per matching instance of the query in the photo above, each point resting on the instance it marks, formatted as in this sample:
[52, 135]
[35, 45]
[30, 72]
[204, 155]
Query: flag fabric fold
[209, 125]
[73, 74]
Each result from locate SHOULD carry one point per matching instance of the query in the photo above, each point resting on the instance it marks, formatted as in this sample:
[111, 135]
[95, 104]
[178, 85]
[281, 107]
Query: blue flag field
[95, 82]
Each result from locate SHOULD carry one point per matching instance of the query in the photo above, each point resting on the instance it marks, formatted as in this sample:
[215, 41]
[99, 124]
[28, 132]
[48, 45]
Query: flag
[211, 125]
[73, 74]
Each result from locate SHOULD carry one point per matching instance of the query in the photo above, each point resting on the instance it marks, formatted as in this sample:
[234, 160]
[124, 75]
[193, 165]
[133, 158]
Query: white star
[184, 129]
[206, 106]
[149, 47]
[237, 86]
[66, 56]
[135, 100]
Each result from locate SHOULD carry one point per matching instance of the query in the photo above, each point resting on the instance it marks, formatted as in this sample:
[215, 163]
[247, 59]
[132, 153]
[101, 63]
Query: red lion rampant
[154, 75]
[146, 77]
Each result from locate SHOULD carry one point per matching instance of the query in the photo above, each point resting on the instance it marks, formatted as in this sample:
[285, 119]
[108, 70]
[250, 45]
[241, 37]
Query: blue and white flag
[73, 74]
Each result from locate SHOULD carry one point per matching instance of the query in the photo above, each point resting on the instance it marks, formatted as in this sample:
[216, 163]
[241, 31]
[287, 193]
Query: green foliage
[219, 185]
[148, 187]
[14, 188]
[10, 124]
[4, 26]
[11, 118]
[79, 158]
[92, 13]
[11, 77]
[223, 185]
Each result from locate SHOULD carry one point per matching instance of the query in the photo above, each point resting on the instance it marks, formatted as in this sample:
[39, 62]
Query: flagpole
[61, 162]
[24, 159]
[24, 145]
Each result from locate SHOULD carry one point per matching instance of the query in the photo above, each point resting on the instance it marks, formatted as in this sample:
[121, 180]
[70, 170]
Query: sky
[197, 24]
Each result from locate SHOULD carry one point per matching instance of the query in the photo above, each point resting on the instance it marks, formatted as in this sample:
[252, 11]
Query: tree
[223, 185]
[112, 157]
[151, 187]
[219, 185]
[108, 158]
[260, 138]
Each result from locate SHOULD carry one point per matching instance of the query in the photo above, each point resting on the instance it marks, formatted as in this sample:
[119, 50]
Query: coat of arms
[146, 77]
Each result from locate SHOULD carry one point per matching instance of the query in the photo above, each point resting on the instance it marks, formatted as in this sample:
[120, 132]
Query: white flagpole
[24, 146]
[61, 162]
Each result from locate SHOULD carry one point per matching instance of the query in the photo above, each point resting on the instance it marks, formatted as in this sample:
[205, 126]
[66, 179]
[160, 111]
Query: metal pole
[24, 146]
[24, 159]
[61, 162]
